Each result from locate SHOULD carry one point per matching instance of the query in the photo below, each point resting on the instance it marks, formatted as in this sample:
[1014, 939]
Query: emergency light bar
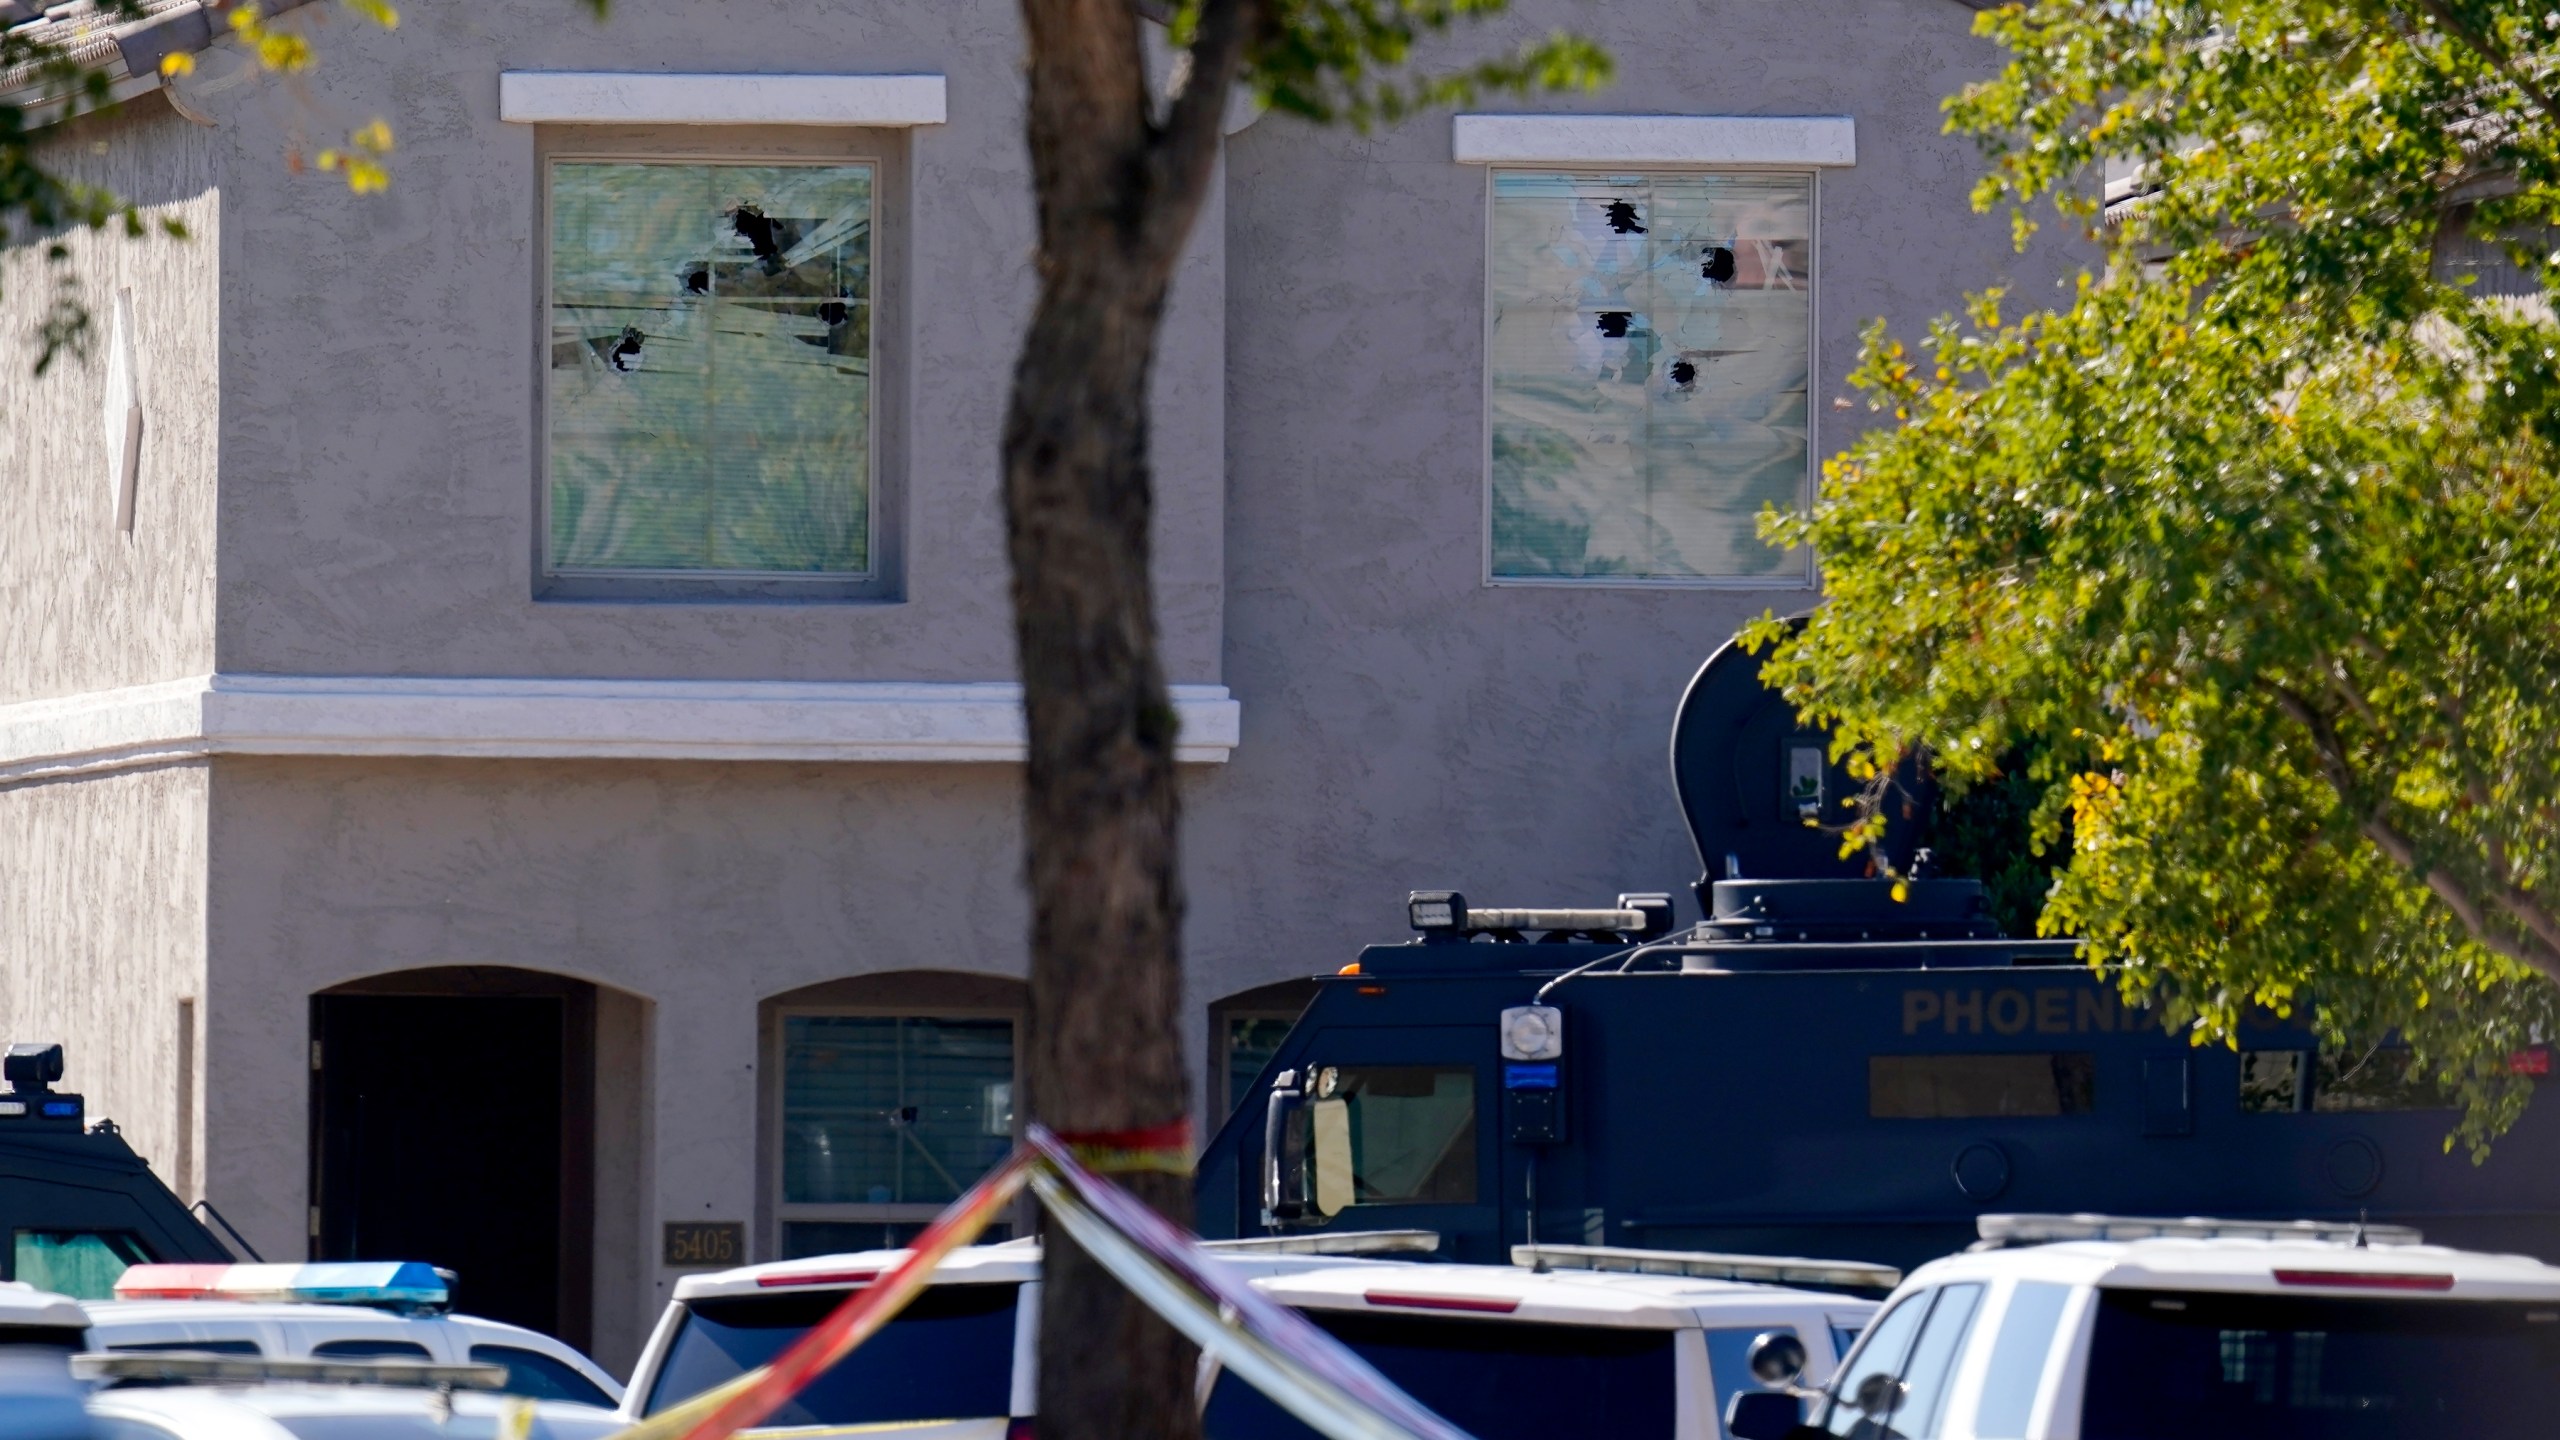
[182, 1367]
[2000, 1230]
[1342, 1242]
[404, 1286]
[1700, 1265]
[1446, 914]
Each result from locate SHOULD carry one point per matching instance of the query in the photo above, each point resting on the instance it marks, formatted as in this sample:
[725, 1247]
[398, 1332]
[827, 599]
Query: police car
[355, 1310]
[2099, 1328]
[1558, 1345]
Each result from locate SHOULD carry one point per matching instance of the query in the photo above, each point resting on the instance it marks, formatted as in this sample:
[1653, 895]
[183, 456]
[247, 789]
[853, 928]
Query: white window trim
[1788, 142]
[858, 720]
[597, 97]
[1807, 578]
[864, 1212]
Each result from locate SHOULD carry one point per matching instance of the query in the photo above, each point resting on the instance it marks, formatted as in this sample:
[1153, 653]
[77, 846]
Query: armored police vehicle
[1819, 1067]
[76, 1203]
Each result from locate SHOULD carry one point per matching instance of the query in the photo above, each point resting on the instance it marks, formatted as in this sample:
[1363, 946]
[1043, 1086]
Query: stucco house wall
[89, 604]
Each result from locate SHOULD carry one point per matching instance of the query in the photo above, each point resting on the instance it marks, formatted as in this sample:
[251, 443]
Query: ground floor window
[885, 1119]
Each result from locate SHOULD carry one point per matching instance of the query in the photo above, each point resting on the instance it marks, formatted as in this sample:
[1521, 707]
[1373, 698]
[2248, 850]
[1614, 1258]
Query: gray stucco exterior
[340, 478]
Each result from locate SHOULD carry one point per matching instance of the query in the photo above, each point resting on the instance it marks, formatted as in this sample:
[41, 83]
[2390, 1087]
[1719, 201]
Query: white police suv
[1555, 1347]
[2091, 1327]
[333, 1310]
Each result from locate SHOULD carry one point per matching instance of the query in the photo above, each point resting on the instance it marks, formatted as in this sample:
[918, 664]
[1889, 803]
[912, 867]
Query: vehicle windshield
[2206, 1366]
[1494, 1379]
[948, 1356]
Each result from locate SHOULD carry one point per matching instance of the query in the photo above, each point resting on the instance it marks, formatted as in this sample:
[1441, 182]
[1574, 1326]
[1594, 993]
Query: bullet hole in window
[1683, 374]
[833, 312]
[698, 281]
[1719, 264]
[1622, 218]
[760, 233]
[625, 354]
[1613, 323]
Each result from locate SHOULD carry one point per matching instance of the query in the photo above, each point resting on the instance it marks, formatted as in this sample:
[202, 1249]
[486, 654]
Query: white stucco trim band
[1790, 141]
[547, 719]
[599, 97]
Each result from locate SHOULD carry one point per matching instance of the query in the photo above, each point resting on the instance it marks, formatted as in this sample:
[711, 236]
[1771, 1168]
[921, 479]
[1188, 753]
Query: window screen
[1925, 1087]
[1650, 352]
[892, 1110]
[710, 369]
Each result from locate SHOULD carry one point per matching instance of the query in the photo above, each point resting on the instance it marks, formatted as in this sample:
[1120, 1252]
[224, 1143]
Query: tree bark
[1117, 193]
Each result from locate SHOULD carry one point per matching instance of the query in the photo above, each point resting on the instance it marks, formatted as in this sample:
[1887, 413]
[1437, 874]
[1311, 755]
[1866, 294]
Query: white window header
[595, 97]
[1800, 141]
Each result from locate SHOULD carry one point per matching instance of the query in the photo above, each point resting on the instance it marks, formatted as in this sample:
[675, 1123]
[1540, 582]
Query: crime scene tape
[1269, 1346]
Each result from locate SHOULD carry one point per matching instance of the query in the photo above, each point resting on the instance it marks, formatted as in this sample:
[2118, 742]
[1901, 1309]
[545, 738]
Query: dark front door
[439, 1137]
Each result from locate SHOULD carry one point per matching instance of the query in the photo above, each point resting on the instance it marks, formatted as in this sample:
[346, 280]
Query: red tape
[1162, 1149]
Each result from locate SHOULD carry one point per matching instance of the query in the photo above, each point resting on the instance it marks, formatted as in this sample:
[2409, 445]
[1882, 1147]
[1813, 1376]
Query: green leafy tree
[2253, 545]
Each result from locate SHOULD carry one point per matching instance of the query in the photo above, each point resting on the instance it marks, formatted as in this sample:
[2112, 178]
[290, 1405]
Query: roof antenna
[2359, 1242]
[1732, 866]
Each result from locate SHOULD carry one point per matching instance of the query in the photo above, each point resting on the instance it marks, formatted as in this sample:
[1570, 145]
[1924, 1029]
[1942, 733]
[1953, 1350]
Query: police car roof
[2244, 1265]
[1570, 1297]
[22, 1304]
[227, 1411]
[111, 1314]
[1014, 1262]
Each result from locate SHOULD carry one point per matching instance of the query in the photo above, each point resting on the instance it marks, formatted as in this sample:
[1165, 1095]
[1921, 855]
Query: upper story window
[1650, 354]
[710, 394]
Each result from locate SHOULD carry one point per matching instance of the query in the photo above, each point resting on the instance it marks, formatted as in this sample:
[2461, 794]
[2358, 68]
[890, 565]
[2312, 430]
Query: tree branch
[2537, 949]
[1187, 147]
[2487, 48]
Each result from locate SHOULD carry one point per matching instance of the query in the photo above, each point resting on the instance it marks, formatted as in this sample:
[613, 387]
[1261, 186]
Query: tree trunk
[1117, 195]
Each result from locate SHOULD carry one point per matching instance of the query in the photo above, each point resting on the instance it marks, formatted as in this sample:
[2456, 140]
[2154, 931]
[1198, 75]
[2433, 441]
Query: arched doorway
[453, 1120]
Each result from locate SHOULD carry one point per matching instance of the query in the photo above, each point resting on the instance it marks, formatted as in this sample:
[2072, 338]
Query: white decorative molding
[120, 413]
[547, 719]
[1794, 141]
[598, 97]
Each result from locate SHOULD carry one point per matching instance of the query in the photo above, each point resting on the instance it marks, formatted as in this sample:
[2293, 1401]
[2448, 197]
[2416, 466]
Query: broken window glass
[710, 368]
[1650, 356]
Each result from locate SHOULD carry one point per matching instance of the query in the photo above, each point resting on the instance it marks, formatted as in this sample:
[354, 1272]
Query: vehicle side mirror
[1877, 1396]
[1284, 1156]
[1332, 1127]
[1776, 1358]
[1763, 1415]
